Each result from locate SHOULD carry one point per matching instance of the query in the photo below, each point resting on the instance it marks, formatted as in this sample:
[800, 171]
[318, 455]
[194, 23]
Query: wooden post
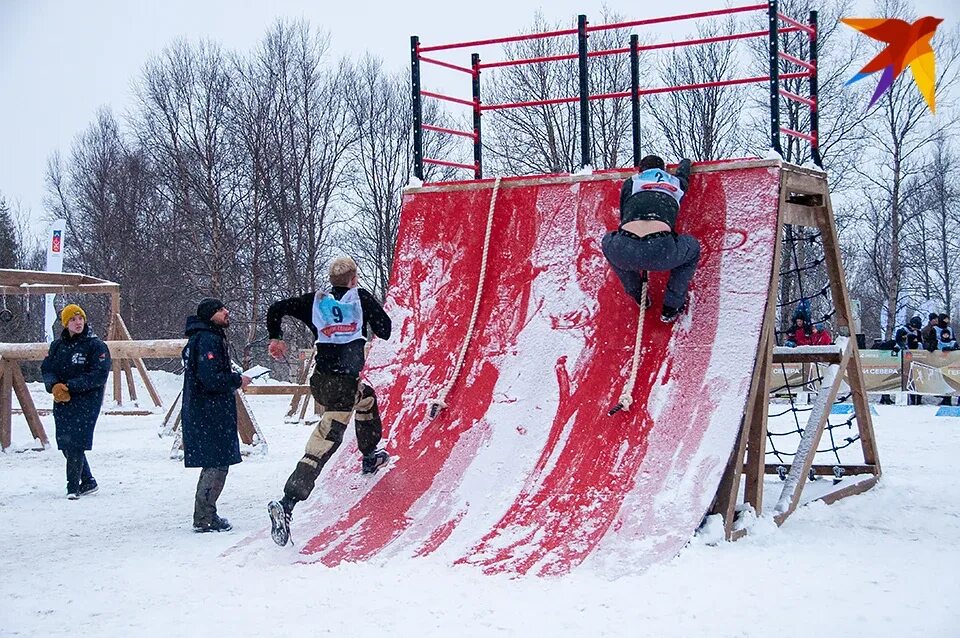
[6, 403]
[141, 367]
[26, 404]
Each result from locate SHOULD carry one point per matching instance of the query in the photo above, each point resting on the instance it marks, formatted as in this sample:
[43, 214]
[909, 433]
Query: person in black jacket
[75, 371]
[339, 320]
[209, 412]
[645, 240]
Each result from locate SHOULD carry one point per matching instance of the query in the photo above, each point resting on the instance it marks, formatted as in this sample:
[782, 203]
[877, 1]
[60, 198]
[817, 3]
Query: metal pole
[814, 94]
[477, 145]
[584, 92]
[635, 96]
[772, 11]
[417, 107]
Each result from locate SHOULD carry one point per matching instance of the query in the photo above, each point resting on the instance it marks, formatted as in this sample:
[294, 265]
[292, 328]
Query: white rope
[439, 402]
[626, 397]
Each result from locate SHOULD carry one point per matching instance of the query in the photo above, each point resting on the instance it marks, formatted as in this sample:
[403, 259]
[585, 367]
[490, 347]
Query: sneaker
[279, 522]
[216, 525]
[374, 461]
[671, 314]
[73, 493]
[90, 487]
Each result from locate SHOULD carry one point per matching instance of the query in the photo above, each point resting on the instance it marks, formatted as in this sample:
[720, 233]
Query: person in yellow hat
[75, 372]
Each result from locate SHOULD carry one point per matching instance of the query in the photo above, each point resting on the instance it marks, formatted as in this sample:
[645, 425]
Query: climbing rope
[626, 397]
[440, 401]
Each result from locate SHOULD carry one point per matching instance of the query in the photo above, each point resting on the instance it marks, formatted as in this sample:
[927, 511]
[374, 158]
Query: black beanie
[208, 307]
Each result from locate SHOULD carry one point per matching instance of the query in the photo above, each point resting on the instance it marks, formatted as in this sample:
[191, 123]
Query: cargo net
[804, 293]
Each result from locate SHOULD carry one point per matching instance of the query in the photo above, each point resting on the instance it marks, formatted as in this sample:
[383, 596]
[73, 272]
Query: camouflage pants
[339, 396]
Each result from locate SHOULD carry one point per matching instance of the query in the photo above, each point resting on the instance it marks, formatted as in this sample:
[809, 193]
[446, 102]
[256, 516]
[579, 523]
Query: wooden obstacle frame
[804, 201]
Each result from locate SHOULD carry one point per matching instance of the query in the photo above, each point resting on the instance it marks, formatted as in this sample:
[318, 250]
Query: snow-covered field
[124, 562]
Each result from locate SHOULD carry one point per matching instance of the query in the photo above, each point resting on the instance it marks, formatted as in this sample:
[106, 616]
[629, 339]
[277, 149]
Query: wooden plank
[276, 390]
[807, 450]
[134, 412]
[848, 490]
[123, 349]
[799, 215]
[244, 423]
[827, 470]
[15, 277]
[804, 182]
[6, 403]
[85, 289]
[141, 367]
[128, 374]
[27, 406]
[780, 356]
[167, 426]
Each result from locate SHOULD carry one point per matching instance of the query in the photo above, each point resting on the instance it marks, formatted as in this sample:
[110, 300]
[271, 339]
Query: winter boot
[216, 525]
[280, 514]
[88, 487]
[374, 461]
[671, 314]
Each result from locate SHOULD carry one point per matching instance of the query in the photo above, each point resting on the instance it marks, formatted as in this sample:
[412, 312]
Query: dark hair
[933, 316]
[915, 322]
[943, 316]
[945, 334]
[651, 161]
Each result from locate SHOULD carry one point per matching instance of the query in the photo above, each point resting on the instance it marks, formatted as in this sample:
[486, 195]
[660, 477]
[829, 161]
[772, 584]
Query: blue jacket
[83, 363]
[209, 410]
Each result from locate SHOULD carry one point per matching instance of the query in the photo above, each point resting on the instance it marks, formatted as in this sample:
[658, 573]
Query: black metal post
[814, 94]
[417, 107]
[584, 91]
[635, 96]
[477, 141]
[772, 13]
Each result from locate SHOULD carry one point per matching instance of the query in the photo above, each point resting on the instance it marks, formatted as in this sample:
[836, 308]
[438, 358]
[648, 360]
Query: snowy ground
[124, 562]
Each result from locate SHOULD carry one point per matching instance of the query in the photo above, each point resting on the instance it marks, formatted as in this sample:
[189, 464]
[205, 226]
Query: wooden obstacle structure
[805, 202]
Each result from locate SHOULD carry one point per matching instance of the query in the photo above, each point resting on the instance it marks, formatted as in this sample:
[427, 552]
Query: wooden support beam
[84, 289]
[6, 403]
[805, 354]
[146, 349]
[827, 470]
[276, 390]
[14, 277]
[26, 405]
[141, 367]
[800, 215]
[804, 182]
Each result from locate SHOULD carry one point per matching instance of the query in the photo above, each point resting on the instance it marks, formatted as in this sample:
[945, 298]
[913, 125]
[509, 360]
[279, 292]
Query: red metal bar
[447, 98]
[788, 131]
[451, 131]
[517, 38]
[622, 94]
[799, 25]
[676, 18]
[797, 61]
[798, 98]
[516, 105]
[469, 167]
[546, 58]
[455, 67]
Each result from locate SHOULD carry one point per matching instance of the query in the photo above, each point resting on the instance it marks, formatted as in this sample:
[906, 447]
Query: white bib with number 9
[338, 321]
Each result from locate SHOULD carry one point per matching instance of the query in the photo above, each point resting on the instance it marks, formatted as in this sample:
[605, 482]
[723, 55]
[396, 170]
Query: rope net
[804, 293]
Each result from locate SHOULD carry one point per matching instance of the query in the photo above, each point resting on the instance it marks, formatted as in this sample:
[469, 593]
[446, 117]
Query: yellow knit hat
[70, 312]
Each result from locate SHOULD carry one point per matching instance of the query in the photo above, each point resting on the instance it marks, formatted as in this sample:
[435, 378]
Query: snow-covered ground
[124, 562]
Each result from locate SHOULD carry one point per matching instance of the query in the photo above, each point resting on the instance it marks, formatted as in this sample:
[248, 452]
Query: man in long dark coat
[209, 410]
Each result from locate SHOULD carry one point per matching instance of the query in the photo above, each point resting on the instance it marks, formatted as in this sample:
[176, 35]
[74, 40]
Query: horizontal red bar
[517, 105]
[789, 131]
[798, 98]
[447, 98]
[799, 25]
[469, 167]
[676, 18]
[517, 38]
[455, 67]
[797, 61]
[440, 129]
[547, 58]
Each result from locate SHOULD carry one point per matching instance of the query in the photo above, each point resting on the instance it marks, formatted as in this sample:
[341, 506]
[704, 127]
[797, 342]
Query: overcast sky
[60, 60]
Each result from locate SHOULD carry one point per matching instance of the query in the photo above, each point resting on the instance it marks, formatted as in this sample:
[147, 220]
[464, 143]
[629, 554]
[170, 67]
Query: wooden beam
[47, 289]
[799, 355]
[6, 403]
[806, 183]
[827, 470]
[275, 390]
[138, 361]
[27, 406]
[799, 215]
[13, 277]
[146, 349]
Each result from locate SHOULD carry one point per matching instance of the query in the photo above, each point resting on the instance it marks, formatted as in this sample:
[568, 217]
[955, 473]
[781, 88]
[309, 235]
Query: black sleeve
[297, 307]
[374, 314]
[683, 173]
[625, 191]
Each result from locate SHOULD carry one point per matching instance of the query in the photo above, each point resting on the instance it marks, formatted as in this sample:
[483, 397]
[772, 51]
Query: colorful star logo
[907, 44]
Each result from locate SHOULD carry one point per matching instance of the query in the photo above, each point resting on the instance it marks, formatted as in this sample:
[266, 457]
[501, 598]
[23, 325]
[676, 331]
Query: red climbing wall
[524, 472]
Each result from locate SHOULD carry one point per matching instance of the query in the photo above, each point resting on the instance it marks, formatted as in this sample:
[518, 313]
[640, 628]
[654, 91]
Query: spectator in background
[946, 342]
[819, 335]
[929, 335]
[799, 334]
[908, 337]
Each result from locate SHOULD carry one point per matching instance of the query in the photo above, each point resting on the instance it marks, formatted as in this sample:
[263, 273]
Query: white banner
[55, 240]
